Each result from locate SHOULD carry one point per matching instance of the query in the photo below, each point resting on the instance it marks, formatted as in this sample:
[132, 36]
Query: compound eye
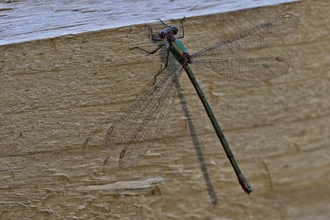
[162, 34]
[174, 30]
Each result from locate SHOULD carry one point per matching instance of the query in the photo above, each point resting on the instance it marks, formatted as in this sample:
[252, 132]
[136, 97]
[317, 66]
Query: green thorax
[177, 49]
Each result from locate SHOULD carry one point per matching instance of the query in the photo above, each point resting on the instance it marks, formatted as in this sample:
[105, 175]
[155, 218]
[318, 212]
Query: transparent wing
[253, 39]
[140, 125]
[262, 68]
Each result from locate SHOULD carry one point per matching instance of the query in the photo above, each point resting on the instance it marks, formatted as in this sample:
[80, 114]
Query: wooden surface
[23, 20]
[59, 96]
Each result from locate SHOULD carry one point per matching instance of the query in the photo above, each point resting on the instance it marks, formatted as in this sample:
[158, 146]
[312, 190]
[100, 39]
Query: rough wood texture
[59, 96]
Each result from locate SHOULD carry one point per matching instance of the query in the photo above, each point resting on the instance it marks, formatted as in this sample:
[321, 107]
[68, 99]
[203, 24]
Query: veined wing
[140, 125]
[252, 69]
[253, 39]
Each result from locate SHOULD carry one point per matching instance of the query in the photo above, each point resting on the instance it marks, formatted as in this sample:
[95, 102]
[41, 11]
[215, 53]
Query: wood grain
[59, 96]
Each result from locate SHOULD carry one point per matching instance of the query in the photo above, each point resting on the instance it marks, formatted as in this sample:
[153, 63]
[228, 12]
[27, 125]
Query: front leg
[153, 39]
[152, 34]
[152, 52]
[182, 29]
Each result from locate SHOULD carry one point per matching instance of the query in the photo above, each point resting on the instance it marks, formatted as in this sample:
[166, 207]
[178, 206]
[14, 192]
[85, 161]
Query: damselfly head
[162, 34]
[172, 30]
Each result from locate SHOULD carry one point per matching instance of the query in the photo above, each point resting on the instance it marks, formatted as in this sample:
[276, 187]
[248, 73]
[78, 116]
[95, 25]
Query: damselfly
[141, 124]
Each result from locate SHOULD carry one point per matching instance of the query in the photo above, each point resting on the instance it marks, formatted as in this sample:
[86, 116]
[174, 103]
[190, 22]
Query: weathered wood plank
[59, 96]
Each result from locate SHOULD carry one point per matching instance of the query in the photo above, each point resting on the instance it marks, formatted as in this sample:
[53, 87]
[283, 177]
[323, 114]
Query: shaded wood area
[59, 97]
